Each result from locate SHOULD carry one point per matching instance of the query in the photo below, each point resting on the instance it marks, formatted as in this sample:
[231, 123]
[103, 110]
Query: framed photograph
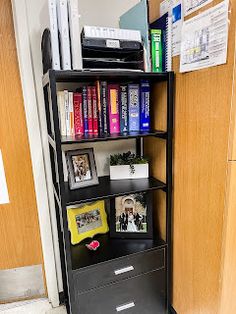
[131, 216]
[81, 168]
[86, 221]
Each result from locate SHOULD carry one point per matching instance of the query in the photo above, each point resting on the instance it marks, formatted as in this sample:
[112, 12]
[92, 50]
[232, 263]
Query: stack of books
[105, 108]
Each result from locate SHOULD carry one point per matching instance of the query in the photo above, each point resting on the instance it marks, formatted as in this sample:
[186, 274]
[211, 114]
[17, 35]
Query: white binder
[74, 20]
[52, 8]
[63, 25]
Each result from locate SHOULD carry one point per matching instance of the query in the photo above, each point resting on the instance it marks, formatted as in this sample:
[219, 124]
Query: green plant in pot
[133, 161]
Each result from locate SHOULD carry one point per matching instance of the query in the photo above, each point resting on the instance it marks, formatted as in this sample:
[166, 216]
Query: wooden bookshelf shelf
[112, 75]
[110, 137]
[109, 249]
[107, 189]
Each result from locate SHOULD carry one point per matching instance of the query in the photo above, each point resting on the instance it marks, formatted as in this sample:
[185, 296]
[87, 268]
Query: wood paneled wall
[20, 238]
[203, 111]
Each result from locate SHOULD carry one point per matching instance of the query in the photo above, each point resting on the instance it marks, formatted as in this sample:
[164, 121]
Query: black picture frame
[115, 217]
[82, 171]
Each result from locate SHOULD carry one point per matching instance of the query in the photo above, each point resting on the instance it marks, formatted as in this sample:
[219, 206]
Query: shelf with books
[104, 110]
[110, 137]
[110, 249]
[66, 76]
[107, 189]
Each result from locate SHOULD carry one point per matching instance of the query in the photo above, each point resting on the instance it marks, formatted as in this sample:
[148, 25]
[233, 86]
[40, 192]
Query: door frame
[45, 215]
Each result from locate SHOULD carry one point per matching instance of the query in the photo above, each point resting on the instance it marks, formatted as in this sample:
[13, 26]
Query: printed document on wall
[205, 39]
[191, 6]
[175, 10]
[4, 197]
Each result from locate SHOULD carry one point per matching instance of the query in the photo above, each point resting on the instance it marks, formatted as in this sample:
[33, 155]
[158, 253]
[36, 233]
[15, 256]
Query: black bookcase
[89, 278]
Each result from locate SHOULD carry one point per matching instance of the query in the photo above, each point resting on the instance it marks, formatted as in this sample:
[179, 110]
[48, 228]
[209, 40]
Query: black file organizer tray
[96, 55]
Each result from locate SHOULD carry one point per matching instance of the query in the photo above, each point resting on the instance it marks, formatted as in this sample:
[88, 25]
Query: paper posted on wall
[4, 197]
[204, 39]
[175, 10]
[191, 6]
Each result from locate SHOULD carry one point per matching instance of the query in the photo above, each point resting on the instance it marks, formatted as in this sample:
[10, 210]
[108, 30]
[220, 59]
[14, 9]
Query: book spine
[90, 110]
[78, 114]
[95, 110]
[104, 107]
[85, 109]
[67, 112]
[123, 108]
[145, 106]
[113, 101]
[52, 6]
[71, 109]
[156, 50]
[98, 86]
[62, 113]
[134, 107]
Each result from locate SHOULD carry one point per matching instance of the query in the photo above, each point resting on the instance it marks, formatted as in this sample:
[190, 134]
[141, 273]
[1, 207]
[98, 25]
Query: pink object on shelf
[93, 246]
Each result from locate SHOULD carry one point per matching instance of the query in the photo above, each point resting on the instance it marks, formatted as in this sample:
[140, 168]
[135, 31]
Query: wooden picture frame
[82, 170]
[131, 216]
[85, 221]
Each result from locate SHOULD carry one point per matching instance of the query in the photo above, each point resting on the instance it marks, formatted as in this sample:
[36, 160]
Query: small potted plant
[128, 166]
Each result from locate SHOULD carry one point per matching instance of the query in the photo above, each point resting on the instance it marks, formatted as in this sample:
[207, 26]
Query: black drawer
[144, 294]
[118, 269]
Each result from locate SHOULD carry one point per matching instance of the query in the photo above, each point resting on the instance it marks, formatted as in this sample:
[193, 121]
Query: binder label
[111, 43]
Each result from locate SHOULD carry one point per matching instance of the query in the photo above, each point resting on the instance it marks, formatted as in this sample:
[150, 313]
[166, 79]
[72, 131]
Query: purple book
[134, 107]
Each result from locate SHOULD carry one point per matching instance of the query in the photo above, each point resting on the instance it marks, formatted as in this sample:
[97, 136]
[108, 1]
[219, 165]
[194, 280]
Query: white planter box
[124, 172]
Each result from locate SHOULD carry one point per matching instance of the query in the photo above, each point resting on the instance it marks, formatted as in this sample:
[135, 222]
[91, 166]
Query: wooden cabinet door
[228, 300]
[20, 237]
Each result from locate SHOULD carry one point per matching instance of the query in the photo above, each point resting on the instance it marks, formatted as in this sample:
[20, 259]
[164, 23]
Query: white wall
[103, 13]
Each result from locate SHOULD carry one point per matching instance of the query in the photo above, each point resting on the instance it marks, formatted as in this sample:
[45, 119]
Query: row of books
[105, 108]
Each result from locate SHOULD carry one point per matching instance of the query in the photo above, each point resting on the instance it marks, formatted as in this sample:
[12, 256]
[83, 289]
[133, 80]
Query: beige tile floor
[38, 306]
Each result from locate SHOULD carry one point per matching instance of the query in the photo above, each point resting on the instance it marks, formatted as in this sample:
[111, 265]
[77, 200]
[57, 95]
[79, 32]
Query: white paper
[205, 39]
[191, 6]
[175, 10]
[4, 197]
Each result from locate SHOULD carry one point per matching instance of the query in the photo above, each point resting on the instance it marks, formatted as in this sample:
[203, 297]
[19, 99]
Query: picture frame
[86, 221]
[131, 216]
[81, 166]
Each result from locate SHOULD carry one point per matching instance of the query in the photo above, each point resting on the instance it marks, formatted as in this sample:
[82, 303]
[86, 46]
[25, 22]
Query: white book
[71, 110]
[114, 33]
[74, 22]
[62, 112]
[67, 112]
[63, 26]
[52, 8]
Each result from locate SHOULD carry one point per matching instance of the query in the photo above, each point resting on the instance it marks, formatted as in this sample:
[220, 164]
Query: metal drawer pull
[125, 307]
[123, 270]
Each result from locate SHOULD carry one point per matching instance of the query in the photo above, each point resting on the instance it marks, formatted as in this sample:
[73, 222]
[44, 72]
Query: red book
[90, 110]
[95, 110]
[78, 114]
[113, 102]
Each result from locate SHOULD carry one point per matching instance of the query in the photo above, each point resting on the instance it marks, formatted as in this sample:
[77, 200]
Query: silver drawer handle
[125, 306]
[123, 270]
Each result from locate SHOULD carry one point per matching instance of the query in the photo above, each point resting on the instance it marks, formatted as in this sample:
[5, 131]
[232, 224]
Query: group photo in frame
[81, 166]
[86, 221]
[131, 216]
